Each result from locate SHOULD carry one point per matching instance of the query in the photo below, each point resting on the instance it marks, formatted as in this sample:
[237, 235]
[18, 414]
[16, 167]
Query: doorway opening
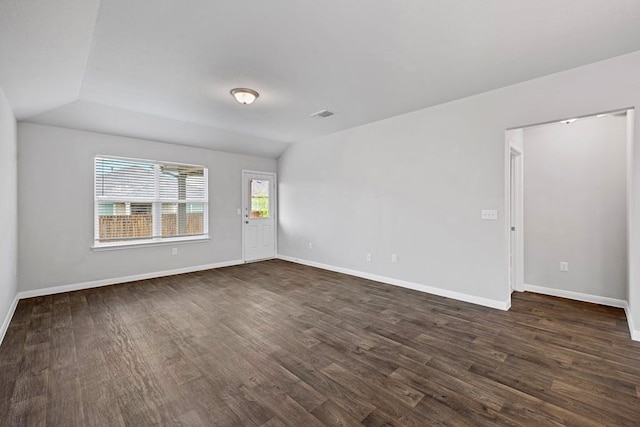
[572, 205]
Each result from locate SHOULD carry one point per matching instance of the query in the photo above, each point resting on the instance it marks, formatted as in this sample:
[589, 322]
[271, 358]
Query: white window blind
[139, 201]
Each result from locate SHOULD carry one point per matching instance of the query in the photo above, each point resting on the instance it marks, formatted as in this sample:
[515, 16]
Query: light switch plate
[489, 214]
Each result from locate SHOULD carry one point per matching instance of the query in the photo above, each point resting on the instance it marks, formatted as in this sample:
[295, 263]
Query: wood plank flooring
[279, 344]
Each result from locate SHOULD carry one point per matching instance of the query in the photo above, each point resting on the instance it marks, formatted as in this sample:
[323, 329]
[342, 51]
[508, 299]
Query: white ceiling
[162, 69]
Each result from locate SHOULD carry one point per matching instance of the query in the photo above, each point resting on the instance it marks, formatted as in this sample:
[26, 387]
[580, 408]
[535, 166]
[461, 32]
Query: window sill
[146, 244]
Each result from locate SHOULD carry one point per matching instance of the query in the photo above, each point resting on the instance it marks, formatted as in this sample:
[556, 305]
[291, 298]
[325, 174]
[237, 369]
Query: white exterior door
[258, 215]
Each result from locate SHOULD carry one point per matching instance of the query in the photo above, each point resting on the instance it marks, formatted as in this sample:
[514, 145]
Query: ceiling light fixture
[244, 96]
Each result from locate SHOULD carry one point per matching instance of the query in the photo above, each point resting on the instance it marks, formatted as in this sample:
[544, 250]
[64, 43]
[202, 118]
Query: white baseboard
[8, 317]
[635, 334]
[611, 302]
[501, 305]
[123, 279]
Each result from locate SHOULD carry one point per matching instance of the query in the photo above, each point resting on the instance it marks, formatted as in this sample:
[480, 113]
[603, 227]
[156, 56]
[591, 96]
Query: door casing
[245, 205]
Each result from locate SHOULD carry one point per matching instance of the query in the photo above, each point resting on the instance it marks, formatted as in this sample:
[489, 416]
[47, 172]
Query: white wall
[8, 211]
[415, 184]
[56, 207]
[575, 206]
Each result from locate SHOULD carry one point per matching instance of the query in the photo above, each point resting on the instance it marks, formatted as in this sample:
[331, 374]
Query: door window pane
[259, 198]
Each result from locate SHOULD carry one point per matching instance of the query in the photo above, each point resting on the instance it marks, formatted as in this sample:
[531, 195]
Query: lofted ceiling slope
[163, 69]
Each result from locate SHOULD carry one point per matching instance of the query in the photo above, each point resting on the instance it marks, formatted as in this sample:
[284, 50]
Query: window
[259, 198]
[141, 201]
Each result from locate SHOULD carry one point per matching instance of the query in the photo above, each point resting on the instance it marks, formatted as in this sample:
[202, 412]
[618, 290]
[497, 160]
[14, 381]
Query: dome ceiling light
[244, 96]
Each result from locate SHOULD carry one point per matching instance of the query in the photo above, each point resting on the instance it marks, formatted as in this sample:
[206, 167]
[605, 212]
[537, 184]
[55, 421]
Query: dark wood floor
[274, 343]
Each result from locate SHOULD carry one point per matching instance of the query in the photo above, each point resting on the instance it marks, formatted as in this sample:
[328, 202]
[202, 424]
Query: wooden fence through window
[115, 227]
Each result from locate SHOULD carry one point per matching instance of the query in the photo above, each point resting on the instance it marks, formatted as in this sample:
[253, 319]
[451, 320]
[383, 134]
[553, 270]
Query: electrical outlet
[564, 266]
[310, 245]
[394, 257]
[368, 257]
[174, 251]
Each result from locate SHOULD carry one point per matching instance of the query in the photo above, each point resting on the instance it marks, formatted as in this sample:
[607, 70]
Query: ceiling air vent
[321, 114]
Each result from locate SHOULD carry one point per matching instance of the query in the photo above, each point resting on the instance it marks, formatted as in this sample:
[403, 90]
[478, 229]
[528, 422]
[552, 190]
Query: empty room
[293, 213]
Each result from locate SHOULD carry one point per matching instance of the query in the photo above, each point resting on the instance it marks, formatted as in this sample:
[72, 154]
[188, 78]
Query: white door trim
[243, 204]
[633, 279]
[518, 250]
[510, 149]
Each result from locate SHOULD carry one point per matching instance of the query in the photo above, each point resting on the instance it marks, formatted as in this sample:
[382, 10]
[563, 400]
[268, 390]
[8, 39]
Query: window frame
[156, 208]
[269, 205]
